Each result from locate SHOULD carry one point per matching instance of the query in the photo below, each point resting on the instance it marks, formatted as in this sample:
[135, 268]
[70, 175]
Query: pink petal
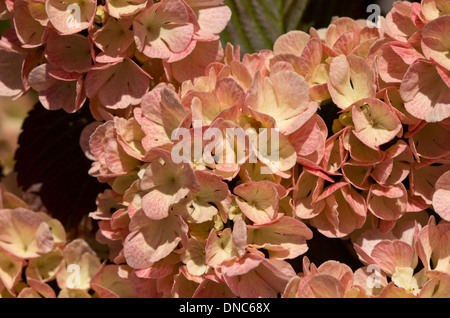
[119, 85]
[111, 281]
[399, 22]
[351, 79]
[435, 147]
[194, 64]
[57, 94]
[24, 233]
[286, 233]
[167, 185]
[229, 93]
[72, 53]
[10, 73]
[441, 198]
[322, 286]
[211, 289]
[307, 139]
[11, 270]
[391, 66]
[158, 39]
[151, 241]
[424, 180]
[359, 151]
[124, 8]
[64, 14]
[212, 20]
[391, 254]
[163, 108]
[435, 44]
[29, 31]
[274, 97]
[424, 92]
[311, 56]
[378, 127]
[305, 192]
[338, 270]
[387, 203]
[344, 212]
[258, 201]
[114, 37]
[432, 9]
[291, 43]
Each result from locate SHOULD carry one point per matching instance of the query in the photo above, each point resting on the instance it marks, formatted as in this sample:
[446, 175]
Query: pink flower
[151, 241]
[164, 30]
[441, 202]
[425, 90]
[435, 45]
[344, 211]
[117, 85]
[394, 60]
[387, 203]
[114, 38]
[165, 183]
[396, 255]
[58, 89]
[330, 280]
[255, 276]
[272, 100]
[212, 199]
[399, 22]
[212, 18]
[24, 234]
[351, 79]
[11, 82]
[433, 9]
[342, 36]
[71, 53]
[160, 115]
[258, 201]
[193, 65]
[284, 238]
[70, 17]
[103, 146]
[29, 31]
[375, 123]
[431, 244]
[10, 277]
[114, 281]
[78, 252]
[120, 9]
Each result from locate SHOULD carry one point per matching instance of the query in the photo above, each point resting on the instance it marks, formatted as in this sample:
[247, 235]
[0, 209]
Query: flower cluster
[391, 258]
[39, 258]
[220, 166]
[111, 53]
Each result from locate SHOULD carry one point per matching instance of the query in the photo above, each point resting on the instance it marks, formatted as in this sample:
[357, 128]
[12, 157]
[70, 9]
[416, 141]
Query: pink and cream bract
[225, 224]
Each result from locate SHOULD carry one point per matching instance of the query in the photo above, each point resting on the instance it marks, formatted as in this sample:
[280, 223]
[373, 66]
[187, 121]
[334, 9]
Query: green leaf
[50, 153]
[4, 25]
[256, 24]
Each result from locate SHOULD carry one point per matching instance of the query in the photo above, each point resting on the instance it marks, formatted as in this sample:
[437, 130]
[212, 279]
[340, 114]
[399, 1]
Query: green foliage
[256, 24]
[3, 26]
[49, 153]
